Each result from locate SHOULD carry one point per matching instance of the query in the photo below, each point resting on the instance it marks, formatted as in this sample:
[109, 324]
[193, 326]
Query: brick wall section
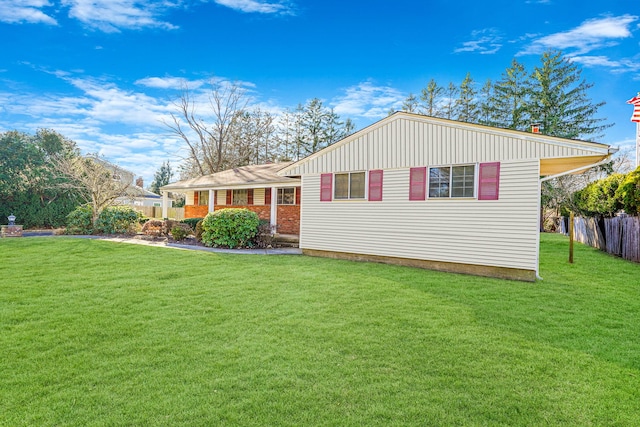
[195, 211]
[288, 215]
[289, 219]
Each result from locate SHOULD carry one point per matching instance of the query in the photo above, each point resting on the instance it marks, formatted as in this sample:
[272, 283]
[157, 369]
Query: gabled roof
[252, 176]
[407, 139]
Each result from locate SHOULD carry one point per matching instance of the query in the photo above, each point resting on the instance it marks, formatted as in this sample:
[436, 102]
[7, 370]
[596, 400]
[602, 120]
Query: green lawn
[101, 333]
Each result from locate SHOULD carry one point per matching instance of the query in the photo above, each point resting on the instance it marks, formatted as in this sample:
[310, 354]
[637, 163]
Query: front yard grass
[102, 333]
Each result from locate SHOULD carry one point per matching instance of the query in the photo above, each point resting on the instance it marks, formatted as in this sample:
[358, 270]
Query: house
[134, 194]
[434, 193]
[258, 188]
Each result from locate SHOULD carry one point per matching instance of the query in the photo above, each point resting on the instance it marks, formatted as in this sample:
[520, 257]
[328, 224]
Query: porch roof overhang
[254, 176]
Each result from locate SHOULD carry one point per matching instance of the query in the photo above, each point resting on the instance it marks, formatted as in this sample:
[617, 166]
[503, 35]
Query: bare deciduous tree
[97, 181]
[208, 136]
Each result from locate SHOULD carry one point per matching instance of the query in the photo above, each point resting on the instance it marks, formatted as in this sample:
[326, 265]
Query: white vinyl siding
[221, 197]
[258, 196]
[415, 141]
[188, 200]
[501, 233]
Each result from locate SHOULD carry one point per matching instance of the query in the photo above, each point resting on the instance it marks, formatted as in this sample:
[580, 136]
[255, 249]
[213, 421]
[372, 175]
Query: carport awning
[564, 164]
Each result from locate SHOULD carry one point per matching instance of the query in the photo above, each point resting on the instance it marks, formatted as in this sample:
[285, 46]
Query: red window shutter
[375, 185]
[489, 181]
[267, 196]
[417, 183]
[250, 196]
[326, 181]
[215, 197]
[229, 195]
[196, 195]
[298, 192]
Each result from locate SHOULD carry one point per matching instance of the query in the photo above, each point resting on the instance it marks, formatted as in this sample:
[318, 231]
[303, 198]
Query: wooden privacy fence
[156, 212]
[618, 236]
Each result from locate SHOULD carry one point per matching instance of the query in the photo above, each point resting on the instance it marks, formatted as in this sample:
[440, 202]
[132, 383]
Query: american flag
[635, 101]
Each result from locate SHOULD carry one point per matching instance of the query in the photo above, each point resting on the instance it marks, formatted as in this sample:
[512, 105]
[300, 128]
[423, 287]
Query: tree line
[44, 177]
[552, 95]
[223, 132]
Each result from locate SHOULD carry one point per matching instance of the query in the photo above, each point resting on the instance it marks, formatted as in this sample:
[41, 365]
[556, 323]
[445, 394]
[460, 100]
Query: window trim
[450, 195]
[293, 202]
[349, 174]
[233, 196]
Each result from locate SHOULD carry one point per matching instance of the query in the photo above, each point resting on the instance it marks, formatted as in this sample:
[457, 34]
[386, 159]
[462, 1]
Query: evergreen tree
[431, 97]
[508, 107]
[465, 106]
[558, 99]
[485, 104]
[450, 94]
[162, 177]
[410, 104]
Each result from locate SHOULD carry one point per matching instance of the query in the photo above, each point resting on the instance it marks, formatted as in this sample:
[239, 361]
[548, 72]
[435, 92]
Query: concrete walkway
[130, 240]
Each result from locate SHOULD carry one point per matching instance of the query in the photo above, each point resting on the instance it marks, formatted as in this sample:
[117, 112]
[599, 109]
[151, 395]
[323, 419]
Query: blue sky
[104, 72]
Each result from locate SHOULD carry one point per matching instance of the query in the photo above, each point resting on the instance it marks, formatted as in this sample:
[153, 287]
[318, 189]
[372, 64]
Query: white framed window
[287, 196]
[349, 185]
[452, 181]
[201, 198]
[240, 197]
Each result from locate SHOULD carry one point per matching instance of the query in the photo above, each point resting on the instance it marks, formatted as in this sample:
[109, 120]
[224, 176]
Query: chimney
[535, 128]
[140, 182]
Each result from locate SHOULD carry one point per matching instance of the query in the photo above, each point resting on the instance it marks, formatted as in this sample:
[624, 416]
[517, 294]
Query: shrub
[79, 220]
[192, 222]
[628, 193]
[153, 227]
[599, 197]
[198, 232]
[232, 228]
[264, 238]
[118, 220]
[167, 226]
[180, 231]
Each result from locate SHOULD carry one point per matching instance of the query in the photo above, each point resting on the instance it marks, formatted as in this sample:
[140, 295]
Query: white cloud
[255, 6]
[168, 83]
[25, 11]
[616, 66]
[590, 35]
[485, 42]
[113, 15]
[368, 101]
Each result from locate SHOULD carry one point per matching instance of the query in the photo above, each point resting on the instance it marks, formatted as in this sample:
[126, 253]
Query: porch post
[165, 204]
[212, 205]
[274, 209]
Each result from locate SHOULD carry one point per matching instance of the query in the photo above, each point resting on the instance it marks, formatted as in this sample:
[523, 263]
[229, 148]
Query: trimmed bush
[79, 220]
[192, 222]
[112, 220]
[231, 228]
[118, 220]
[180, 231]
[199, 230]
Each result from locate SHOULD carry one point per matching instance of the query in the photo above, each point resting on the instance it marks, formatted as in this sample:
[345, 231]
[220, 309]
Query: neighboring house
[434, 193]
[134, 195]
[138, 196]
[257, 187]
